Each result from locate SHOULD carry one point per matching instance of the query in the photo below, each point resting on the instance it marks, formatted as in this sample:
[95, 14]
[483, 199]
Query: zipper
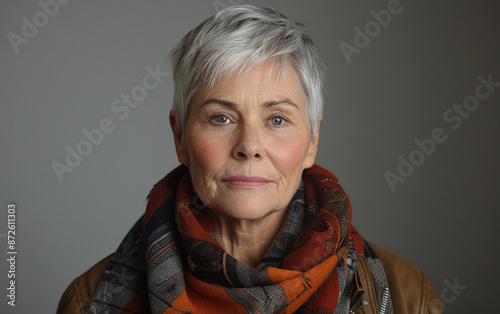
[385, 298]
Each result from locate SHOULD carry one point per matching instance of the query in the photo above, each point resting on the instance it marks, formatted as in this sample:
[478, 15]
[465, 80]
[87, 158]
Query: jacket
[411, 291]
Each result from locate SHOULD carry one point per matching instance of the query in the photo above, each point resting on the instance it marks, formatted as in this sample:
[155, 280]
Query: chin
[244, 210]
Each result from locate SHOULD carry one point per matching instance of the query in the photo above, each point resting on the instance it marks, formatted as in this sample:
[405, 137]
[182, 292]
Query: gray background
[443, 218]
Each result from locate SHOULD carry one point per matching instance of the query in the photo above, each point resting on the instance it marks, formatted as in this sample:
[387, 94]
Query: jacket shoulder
[411, 291]
[77, 296]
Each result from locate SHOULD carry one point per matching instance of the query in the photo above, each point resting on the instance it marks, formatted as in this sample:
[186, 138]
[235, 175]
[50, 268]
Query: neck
[248, 240]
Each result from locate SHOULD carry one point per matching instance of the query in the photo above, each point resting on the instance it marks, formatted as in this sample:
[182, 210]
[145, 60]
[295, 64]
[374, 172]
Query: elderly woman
[248, 223]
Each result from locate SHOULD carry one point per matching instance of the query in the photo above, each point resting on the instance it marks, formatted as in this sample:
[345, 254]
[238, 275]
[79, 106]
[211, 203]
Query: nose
[248, 144]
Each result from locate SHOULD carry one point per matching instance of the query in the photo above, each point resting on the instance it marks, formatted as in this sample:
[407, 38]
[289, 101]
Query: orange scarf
[171, 262]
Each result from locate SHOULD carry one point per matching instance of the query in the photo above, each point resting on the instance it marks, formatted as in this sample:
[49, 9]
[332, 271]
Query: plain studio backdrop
[411, 129]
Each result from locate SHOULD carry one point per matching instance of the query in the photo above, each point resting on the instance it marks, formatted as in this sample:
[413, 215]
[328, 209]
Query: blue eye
[276, 121]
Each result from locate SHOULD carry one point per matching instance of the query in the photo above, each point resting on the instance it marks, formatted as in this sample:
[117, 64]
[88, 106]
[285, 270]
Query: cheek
[206, 156]
[290, 154]
[202, 148]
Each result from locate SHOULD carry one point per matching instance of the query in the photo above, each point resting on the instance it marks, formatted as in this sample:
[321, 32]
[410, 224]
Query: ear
[313, 148]
[179, 139]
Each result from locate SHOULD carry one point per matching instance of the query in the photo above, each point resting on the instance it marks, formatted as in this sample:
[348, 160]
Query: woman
[248, 223]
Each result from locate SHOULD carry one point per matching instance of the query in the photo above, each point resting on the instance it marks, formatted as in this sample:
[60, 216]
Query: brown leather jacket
[411, 291]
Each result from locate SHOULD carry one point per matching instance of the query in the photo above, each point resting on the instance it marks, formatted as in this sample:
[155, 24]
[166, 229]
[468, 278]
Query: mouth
[248, 182]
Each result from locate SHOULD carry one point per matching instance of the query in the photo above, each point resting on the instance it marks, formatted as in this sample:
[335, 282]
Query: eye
[277, 121]
[220, 119]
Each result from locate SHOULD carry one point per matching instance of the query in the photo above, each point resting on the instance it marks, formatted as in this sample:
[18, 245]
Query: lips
[244, 181]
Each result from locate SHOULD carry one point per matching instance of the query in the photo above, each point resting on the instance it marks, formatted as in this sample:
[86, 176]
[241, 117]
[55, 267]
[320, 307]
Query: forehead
[266, 80]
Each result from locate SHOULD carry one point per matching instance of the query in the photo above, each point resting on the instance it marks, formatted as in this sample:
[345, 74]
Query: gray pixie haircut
[237, 39]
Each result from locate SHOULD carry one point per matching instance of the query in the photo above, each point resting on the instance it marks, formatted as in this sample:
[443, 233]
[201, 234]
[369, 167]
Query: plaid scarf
[172, 262]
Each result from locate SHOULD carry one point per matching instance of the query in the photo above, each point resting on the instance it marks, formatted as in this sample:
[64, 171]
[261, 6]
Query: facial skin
[246, 143]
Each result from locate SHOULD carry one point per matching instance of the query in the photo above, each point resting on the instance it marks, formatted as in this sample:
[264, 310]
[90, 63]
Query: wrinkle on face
[248, 144]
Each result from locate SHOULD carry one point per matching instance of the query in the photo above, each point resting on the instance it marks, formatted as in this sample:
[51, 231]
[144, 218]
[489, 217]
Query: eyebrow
[267, 104]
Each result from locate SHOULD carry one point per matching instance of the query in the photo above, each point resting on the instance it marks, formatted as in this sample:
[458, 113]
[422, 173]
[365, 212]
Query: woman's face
[246, 143]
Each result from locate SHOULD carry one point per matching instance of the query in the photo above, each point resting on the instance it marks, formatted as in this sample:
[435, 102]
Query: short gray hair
[241, 37]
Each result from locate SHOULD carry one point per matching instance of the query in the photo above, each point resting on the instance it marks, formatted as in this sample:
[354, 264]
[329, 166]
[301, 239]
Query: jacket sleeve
[77, 297]
[411, 291]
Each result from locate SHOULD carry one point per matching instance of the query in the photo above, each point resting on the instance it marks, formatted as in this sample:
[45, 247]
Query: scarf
[171, 260]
